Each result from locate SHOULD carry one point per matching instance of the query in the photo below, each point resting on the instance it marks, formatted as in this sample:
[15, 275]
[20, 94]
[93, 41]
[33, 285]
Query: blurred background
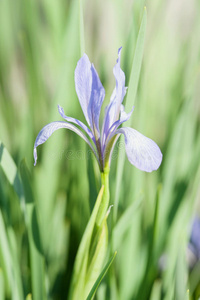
[40, 44]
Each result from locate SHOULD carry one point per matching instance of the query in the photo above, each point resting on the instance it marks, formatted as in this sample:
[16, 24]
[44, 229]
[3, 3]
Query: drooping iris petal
[83, 84]
[77, 122]
[141, 151]
[47, 131]
[90, 92]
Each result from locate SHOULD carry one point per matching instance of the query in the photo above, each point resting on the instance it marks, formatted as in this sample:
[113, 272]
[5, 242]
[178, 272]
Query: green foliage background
[44, 209]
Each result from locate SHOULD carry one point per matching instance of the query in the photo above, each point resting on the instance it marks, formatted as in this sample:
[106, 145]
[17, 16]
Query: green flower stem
[106, 196]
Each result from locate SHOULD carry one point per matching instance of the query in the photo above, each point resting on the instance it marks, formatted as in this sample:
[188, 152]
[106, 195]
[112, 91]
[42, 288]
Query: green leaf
[101, 276]
[136, 65]
[131, 94]
[10, 170]
[2, 285]
[97, 255]
[8, 249]
[81, 28]
[5, 257]
[124, 222]
[36, 257]
[156, 290]
[29, 297]
[80, 265]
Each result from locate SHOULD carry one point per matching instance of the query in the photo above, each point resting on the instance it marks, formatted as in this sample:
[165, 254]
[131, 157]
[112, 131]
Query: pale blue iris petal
[120, 85]
[83, 85]
[90, 92]
[141, 151]
[107, 122]
[123, 118]
[47, 131]
[113, 109]
[77, 122]
[96, 100]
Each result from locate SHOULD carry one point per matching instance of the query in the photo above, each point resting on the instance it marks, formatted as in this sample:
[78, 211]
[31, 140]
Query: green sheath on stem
[105, 199]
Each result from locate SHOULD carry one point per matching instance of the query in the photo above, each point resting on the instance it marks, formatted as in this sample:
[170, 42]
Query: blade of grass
[29, 297]
[132, 90]
[124, 222]
[2, 289]
[9, 168]
[36, 257]
[81, 28]
[7, 237]
[48, 176]
[181, 273]
[12, 277]
[5, 256]
[101, 276]
[79, 273]
[156, 290]
[151, 266]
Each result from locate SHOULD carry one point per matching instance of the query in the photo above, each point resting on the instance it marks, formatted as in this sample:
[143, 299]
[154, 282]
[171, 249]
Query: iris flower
[141, 151]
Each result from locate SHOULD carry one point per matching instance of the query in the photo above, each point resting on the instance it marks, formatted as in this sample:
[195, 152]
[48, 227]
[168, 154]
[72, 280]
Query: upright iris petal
[96, 100]
[83, 85]
[113, 109]
[90, 92]
[118, 93]
[120, 84]
[141, 151]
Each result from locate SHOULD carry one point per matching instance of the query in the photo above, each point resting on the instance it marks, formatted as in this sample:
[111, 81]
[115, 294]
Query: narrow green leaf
[181, 273]
[101, 276]
[132, 90]
[81, 28]
[154, 227]
[5, 256]
[8, 251]
[2, 283]
[29, 297]
[156, 290]
[124, 222]
[194, 277]
[97, 254]
[50, 170]
[36, 257]
[79, 272]
[188, 294]
[10, 170]
[151, 266]
[136, 65]
[13, 283]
